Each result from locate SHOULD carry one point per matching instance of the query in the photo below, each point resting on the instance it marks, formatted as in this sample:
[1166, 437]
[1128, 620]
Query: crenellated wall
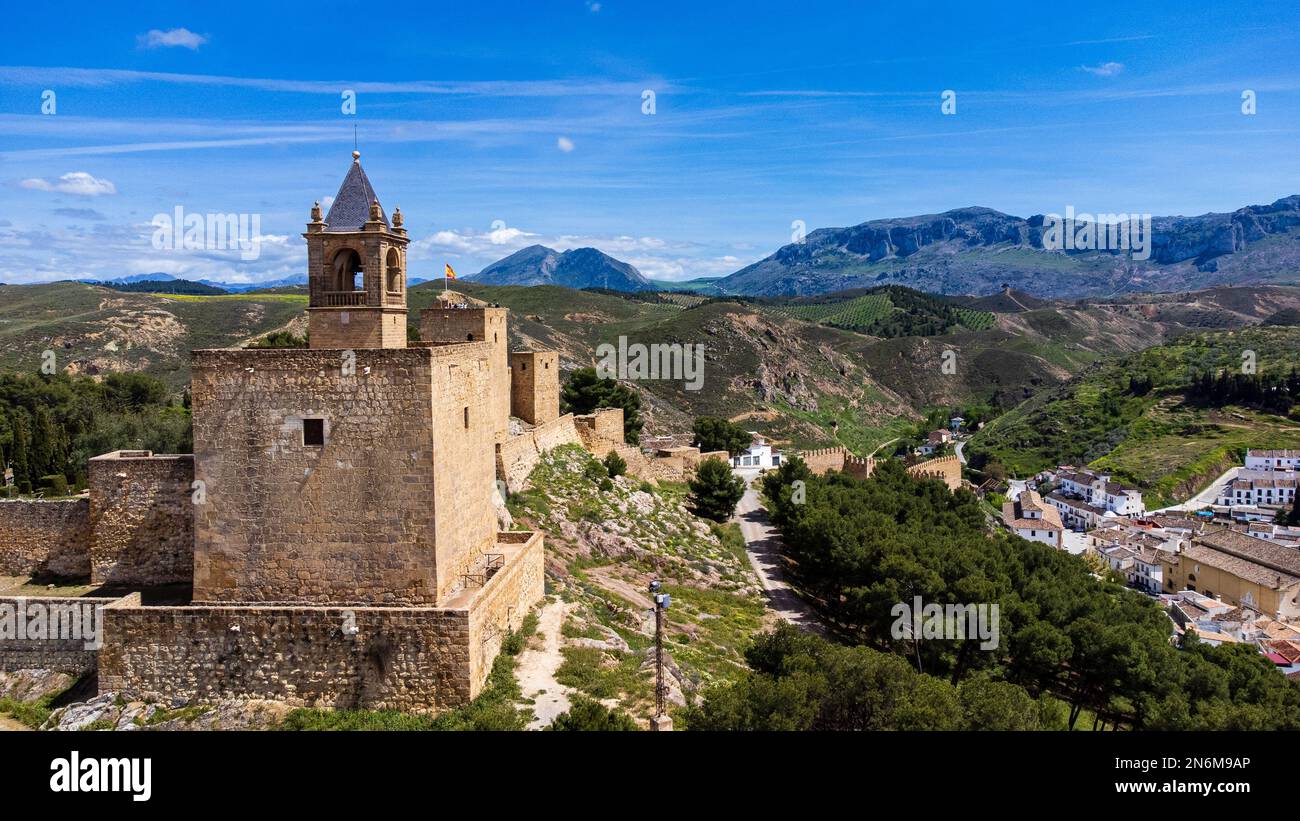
[946, 469]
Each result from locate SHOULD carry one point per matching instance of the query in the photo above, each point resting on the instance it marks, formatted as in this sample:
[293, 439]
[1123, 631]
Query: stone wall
[824, 459]
[143, 513]
[603, 426]
[67, 642]
[350, 328]
[45, 539]
[400, 658]
[500, 607]
[517, 456]
[419, 659]
[455, 326]
[947, 469]
[535, 386]
[385, 512]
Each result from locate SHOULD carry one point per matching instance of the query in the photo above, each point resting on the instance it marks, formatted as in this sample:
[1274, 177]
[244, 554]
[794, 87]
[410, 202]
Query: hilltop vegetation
[889, 311]
[1064, 636]
[52, 425]
[606, 538]
[1130, 415]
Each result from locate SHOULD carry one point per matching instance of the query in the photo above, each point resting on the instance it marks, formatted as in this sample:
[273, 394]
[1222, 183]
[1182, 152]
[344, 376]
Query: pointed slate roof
[351, 207]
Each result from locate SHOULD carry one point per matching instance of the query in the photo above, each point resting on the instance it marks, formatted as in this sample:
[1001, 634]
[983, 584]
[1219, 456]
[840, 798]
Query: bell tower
[356, 270]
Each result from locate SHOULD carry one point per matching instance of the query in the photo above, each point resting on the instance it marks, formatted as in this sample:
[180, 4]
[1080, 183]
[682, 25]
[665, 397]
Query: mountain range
[578, 268]
[980, 251]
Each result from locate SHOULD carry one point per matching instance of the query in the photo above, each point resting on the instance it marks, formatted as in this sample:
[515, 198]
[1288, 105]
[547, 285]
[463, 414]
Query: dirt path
[7, 723]
[536, 670]
[762, 542]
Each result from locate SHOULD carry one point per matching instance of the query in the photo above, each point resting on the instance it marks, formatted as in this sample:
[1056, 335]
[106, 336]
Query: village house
[1238, 569]
[1030, 518]
[1262, 488]
[1273, 459]
[1085, 498]
[759, 454]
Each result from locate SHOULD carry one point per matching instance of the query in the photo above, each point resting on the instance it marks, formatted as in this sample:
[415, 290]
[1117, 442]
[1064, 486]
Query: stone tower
[535, 386]
[448, 325]
[356, 270]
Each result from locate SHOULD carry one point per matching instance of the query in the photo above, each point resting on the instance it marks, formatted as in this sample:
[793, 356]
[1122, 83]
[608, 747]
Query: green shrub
[54, 485]
[591, 716]
[616, 465]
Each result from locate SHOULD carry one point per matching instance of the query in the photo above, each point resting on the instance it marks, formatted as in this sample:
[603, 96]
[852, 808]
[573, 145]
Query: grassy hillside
[94, 330]
[1151, 438]
[888, 311]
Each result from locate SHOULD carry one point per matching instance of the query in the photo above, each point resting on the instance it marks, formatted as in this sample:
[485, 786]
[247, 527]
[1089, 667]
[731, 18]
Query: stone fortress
[338, 525]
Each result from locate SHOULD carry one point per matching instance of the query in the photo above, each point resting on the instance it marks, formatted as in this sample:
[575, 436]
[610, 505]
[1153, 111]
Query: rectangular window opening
[313, 433]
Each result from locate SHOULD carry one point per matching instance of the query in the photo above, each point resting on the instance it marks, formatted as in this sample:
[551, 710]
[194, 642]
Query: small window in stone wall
[313, 433]
[523, 366]
[467, 417]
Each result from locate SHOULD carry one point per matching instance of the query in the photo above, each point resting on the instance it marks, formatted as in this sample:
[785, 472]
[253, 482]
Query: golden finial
[356, 156]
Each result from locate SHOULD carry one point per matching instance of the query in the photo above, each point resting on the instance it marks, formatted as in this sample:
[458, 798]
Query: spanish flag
[449, 274]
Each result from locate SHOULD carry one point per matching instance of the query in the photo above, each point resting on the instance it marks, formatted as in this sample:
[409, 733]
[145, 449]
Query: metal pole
[659, 658]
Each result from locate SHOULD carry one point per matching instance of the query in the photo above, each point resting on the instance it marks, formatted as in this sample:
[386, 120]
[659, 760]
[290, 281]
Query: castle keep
[337, 520]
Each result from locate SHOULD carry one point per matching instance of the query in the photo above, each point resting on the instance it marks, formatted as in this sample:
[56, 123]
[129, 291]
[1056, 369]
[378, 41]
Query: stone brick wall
[603, 424]
[351, 328]
[63, 650]
[454, 326]
[503, 603]
[517, 456]
[399, 658]
[143, 514]
[45, 539]
[824, 459]
[353, 521]
[535, 386]
[946, 468]
[464, 457]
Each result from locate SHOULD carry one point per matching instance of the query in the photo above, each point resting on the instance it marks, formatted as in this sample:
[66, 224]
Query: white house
[1260, 488]
[1273, 460]
[759, 455]
[1031, 519]
[1099, 493]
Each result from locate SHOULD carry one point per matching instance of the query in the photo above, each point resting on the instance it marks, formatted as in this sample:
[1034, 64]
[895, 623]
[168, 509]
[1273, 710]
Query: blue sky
[498, 125]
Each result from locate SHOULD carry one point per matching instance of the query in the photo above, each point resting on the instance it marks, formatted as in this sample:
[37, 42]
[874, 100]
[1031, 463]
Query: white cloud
[564, 144]
[75, 182]
[172, 38]
[1104, 69]
[593, 7]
